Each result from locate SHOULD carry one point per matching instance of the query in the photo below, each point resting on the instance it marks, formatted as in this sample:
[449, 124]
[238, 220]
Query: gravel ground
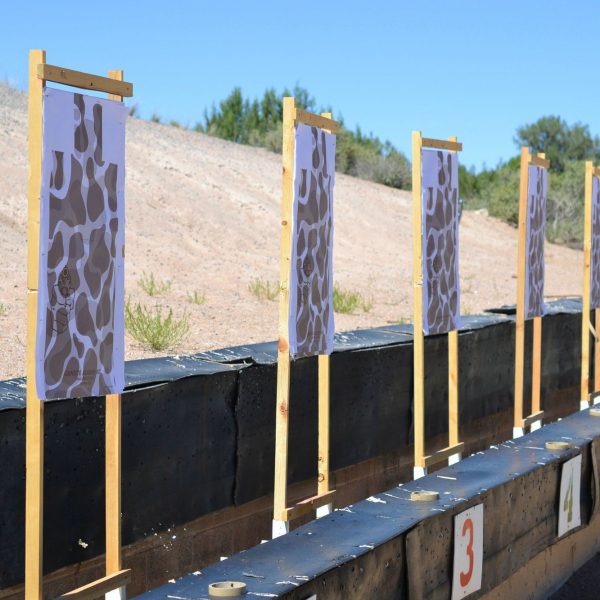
[204, 213]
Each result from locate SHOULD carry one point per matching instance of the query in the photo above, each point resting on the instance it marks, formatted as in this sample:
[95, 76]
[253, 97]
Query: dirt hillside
[204, 213]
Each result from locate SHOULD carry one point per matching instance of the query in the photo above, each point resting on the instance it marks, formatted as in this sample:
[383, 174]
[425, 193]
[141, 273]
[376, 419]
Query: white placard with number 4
[468, 552]
[569, 514]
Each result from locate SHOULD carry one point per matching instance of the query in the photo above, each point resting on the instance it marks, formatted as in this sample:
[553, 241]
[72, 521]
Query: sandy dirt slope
[204, 213]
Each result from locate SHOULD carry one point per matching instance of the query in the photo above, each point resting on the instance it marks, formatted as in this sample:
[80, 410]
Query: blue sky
[473, 68]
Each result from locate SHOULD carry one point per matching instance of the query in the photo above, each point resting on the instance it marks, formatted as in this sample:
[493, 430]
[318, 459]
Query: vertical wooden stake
[283, 353]
[418, 338]
[323, 466]
[536, 374]
[520, 316]
[453, 387]
[324, 411]
[34, 495]
[585, 298]
[536, 361]
[113, 460]
[597, 351]
[453, 366]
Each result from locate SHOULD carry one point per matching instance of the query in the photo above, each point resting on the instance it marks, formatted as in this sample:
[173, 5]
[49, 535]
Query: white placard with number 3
[468, 552]
[569, 514]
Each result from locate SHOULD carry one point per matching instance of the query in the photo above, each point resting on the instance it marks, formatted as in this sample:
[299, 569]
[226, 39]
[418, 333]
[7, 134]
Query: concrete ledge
[390, 547]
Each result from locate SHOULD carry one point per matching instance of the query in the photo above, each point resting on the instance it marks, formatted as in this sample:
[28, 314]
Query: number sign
[468, 552]
[569, 515]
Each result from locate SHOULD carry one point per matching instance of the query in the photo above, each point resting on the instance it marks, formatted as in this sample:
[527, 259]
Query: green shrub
[3, 309]
[259, 122]
[264, 290]
[153, 329]
[152, 286]
[196, 298]
[347, 301]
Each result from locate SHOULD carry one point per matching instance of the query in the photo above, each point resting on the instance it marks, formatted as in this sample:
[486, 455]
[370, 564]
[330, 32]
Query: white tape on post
[468, 552]
[569, 514]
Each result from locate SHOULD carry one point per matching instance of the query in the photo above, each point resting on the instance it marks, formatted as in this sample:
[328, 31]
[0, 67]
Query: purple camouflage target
[80, 333]
[595, 262]
[440, 220]
[311, 323]
[537, 190]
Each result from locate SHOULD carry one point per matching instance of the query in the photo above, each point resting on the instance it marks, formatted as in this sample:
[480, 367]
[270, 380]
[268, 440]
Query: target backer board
[311, 321]
[537, 192]
[595, 245]
[441, 288]
[80, 329]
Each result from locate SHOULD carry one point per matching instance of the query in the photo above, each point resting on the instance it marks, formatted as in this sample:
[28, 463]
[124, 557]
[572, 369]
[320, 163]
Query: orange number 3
[466, 577]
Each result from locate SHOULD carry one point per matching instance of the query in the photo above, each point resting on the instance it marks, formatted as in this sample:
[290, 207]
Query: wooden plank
[307, 118]
[283, 349]
[34, 460]
[453, 432]
[113, 483]
[539, 161]
[96, 589]
[587, 260]
[453, 388]
[113, 452]
[443, 454]
[532, 418]
[597, 352]
[324, 411]
[418, 338]
[452, 145]
[536, 365]
[520, 316]
[84, 81]
[307, 505]
[323, 464]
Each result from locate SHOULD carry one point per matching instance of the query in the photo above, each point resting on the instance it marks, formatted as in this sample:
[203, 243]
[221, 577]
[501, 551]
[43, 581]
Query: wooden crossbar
[537, 416]
[443, 454]
[84, 80]
[451, 145]
[97, 589]
[538, 161]
[313, 120]
[306, 505]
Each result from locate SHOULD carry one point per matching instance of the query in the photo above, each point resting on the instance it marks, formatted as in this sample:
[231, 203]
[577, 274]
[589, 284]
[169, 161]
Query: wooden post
[324, 411]
[280, 525]
[585, 297]
[323, 486]
[536, 370]
[520, 316]
[597, 351]
[453, 366]
[113, 461]
[34, 494]
[418, 337]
